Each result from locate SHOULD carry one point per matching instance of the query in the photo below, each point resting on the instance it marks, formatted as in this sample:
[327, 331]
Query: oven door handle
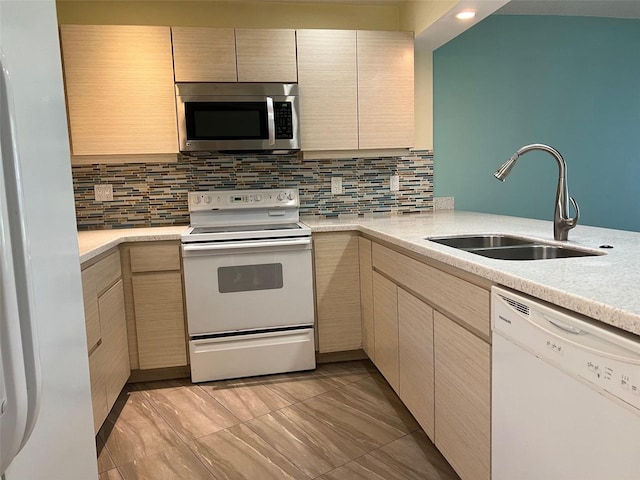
[232, 247]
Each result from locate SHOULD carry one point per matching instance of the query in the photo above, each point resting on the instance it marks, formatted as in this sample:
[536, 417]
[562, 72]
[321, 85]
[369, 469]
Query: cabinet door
[462, 398]
[337, 280]
[115, 354]
[120, 89]
[265, 55]
[385, 89]
[385, 319]
[97, 371]
[415, 339]
[158, 304]
[366, 297]
[204, 54]
[91, 313]
[327, 76]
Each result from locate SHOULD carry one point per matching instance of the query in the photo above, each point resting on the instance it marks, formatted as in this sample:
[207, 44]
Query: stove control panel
[239, 199]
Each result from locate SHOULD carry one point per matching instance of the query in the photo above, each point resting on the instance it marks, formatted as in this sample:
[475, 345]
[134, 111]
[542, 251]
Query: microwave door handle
[271, 121]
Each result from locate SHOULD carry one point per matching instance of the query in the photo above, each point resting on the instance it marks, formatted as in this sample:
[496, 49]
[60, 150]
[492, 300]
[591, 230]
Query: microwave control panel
[283, 120]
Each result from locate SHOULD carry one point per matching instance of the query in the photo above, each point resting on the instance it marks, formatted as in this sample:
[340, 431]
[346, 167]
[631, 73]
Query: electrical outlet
[336, 185]
[394, 183]
[103, 192]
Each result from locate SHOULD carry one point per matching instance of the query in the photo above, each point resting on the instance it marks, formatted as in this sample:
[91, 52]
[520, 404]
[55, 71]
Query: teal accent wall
[570, 82]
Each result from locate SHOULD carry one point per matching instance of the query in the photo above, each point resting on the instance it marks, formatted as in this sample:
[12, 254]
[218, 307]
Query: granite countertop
[92, 243]
[601, 287]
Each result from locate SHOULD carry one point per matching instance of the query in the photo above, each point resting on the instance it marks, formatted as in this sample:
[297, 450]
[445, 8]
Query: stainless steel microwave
[237, 117]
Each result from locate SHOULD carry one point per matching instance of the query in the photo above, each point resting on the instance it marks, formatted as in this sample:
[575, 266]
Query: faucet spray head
[504, 170]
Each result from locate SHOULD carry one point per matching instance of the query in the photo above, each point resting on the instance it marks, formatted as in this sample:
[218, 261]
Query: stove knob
[258, 197]
[195, 199]
[206, 198]
[282, 196]
[291, 196]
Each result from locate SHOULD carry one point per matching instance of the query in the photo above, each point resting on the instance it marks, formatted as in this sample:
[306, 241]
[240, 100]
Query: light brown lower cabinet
[415, 356]
[114, 335]
[366, 297]
[157, 299]
[439, 367]
[158, 330]
[385, 321]
[404, 347]
[106, 333]
[462, 399]
[337, 284]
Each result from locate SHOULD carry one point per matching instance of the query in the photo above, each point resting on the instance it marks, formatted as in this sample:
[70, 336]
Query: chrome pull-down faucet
[562, 223]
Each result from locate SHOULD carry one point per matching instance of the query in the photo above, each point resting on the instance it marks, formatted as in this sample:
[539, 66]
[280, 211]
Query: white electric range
[248, 284]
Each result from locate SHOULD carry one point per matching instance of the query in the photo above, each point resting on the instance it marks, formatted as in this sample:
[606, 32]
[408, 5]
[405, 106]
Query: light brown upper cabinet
[385, 89]
[240, 55]
[356, 90]
[266, 55]
[204, 54]
[328, 80]
[119, 86]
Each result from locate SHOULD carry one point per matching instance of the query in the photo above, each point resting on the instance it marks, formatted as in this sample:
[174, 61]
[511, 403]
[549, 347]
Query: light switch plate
[394, 183]
[103, 192]
[336, 185]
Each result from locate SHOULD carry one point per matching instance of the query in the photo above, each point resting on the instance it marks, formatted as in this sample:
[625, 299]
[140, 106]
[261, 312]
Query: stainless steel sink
[532, 252]
[465, 242]
[508, 247]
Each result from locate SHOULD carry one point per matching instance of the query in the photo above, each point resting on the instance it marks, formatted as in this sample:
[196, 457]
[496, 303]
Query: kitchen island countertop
[606, 288]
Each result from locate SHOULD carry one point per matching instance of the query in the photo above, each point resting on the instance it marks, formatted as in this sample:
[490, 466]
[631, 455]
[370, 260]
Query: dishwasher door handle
[564, 326]
[597, 342]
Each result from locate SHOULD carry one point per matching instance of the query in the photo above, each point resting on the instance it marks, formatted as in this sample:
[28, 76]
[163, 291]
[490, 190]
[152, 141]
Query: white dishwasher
[565, 395]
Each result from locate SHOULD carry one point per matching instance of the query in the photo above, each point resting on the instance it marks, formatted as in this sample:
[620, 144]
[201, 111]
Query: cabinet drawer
[463, 300]
[107, 272]
[155, 257]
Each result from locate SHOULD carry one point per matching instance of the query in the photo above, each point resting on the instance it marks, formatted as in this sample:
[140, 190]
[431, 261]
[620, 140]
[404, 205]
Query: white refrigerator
[46, 423]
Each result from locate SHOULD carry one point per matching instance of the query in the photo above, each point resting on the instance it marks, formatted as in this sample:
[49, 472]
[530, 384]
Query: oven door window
[226, 120]
[246, 278]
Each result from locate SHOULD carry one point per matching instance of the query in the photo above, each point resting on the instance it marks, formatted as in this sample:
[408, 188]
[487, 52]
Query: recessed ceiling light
[466, 15]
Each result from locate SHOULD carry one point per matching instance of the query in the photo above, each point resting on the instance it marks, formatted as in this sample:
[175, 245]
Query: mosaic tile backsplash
[155, 194]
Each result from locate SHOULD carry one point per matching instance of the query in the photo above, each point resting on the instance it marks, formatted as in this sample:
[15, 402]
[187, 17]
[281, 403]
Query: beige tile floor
[341, 421]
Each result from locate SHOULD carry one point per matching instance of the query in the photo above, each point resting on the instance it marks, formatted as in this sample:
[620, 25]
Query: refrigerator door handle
[18, 339]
